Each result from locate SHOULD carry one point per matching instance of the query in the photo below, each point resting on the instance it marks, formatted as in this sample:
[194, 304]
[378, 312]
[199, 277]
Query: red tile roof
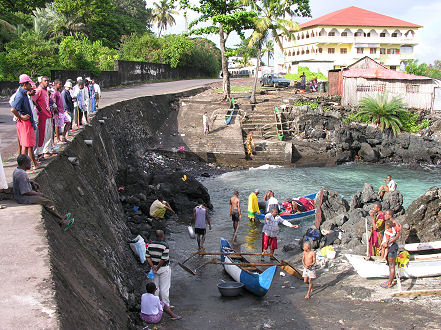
[381, 73]
[354, 16]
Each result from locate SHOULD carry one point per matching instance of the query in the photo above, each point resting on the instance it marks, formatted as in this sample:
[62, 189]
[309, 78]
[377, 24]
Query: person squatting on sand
[152, 307]
[308, 261]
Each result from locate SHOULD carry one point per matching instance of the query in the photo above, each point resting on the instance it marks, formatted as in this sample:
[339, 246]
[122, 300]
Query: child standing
[206, 123]
[389, 233]
[308, 262]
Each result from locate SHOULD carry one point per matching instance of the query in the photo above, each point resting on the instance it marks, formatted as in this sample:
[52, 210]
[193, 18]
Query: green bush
[140, 48]
[311, 105]
[308, 74]
[409, 119]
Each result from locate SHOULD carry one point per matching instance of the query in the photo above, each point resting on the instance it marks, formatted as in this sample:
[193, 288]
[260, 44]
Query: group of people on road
[44, 113]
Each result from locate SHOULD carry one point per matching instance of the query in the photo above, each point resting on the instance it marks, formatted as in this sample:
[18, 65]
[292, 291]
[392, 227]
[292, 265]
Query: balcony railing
[350, 39]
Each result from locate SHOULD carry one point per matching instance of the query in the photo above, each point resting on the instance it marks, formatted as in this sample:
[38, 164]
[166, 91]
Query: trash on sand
[267, 326]
[182, 148]
[122, 188]
[136, 208]
[182, 134]
[341, 322]
[282, 274]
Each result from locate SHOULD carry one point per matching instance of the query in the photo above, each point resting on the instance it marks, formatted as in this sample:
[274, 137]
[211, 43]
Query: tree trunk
[256, 76]
[225, 73]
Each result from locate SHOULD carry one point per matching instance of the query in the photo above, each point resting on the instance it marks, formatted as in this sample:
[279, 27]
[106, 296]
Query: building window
[410, 88]
[393, 51]
[303, 52]
[307, 51]
[331, 34]
[359, 50]
[382, 35]
[343, 50]
[368, 34]
[344, 34]
[393, 67]
[331, 50]
[360, 34]
[406, 49]
[373, 50]
[320, 50]
[307, 36]
[382, 51]
[298, 52]
[303, 36]
[394, 35]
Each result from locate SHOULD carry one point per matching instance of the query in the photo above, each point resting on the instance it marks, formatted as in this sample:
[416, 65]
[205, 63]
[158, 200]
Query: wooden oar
[290, 269]
[318, 212]
[242, 264]
[231, 254]
[235, 232]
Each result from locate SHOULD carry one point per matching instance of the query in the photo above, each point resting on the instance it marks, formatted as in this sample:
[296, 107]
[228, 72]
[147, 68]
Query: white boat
[372, 269]
[422, 246]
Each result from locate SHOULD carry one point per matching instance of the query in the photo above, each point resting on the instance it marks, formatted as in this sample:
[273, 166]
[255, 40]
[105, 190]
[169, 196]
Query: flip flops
[70, 222]
[386, 285]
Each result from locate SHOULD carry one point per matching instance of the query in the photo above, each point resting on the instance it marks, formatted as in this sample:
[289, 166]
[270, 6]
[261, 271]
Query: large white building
[342, 37]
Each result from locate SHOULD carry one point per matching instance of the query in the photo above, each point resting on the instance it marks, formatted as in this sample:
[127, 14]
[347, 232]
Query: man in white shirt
[389, 186]
[97, 92]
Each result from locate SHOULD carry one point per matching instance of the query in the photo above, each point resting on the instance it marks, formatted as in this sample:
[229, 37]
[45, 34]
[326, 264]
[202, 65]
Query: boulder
[368, 195]
[333, 205]
[393, 201]
[367, 153]
[422, 220]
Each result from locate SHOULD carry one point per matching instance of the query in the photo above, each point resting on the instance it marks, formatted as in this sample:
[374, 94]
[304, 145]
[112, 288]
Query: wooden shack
[367, 77]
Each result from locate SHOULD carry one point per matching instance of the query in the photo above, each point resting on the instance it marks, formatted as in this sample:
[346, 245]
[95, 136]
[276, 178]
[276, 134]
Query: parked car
[274, 79]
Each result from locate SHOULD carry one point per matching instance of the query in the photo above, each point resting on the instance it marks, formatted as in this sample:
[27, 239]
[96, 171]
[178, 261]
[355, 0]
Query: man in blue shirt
[25, 120]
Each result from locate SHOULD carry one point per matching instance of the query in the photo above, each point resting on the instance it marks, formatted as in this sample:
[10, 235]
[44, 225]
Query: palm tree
[269, 50]
[7, 32]
[269, 23]
[382, 112]
[162, 14]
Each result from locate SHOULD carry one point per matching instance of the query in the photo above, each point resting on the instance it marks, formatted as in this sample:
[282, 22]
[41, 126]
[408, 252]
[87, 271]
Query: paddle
[318, 212]
[237, 228]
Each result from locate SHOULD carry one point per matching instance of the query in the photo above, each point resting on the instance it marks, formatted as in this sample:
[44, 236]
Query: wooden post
[367, 239]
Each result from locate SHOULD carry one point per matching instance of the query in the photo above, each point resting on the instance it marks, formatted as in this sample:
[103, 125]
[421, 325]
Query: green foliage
[308, 74]
[84, 54]
[382, 112]
[311, 105]
[24, 6]
[410, 120]
[205, 57]
[162, 14]
[176, 50]
[29, 54]
[423, 69]
[140, 48]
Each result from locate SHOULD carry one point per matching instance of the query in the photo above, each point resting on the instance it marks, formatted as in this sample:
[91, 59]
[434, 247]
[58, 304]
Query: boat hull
[414, 269]
[256, 283]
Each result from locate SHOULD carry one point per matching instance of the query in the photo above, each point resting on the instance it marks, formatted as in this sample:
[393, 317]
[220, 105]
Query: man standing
[235, 212]
[61, 119]
[158, 259]
[303, 82]
[45, 129]
[270, 230]
[97, 92]
[390, 186]
[253, 205]
[393, 250]
[206, 123]
[24, 117]
[68, 106]
[26, 192]
[92, 101]
[200, 220]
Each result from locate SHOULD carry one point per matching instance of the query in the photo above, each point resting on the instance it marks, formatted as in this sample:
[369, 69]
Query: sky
[423, 12]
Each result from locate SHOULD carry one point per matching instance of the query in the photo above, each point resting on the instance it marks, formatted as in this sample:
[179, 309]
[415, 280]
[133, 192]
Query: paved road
[8, 135]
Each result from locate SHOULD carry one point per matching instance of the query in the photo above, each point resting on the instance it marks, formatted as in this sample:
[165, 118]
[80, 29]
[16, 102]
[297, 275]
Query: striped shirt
[157, 251]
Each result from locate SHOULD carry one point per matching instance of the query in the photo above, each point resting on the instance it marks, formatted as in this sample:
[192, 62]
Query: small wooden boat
[261, 215]
[230, 112]
[415, 268]
[424, 246]
[255, 280]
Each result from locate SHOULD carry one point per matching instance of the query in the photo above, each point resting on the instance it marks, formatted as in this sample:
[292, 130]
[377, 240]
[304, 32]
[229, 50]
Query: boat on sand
[255, 280]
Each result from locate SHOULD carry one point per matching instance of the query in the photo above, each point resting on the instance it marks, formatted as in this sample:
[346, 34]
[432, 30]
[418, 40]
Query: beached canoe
[372, 269]
[255, 280]
[261, 215]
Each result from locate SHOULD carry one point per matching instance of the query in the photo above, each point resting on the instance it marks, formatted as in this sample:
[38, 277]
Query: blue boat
[255, 280]
[261, 215]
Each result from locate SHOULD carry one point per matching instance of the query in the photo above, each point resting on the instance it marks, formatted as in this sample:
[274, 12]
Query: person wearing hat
[253, 205]
[24, 118]
[68, 106]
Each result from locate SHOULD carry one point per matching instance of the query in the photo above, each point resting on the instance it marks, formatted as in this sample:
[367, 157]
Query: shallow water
[291, 182]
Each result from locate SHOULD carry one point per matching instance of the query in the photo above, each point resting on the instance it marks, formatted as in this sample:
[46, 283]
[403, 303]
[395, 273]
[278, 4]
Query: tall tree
[269, 50]
[162, 14]
[224, 17]
[270, 21]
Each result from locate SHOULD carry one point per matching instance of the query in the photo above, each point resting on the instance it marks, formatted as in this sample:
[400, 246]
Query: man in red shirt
[45, 129]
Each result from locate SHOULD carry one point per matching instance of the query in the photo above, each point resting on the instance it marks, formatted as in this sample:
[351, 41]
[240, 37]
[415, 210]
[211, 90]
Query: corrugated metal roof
[380, 73]
[354, 16]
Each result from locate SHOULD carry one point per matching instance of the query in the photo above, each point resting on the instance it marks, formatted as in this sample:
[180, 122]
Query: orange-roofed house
[342, 37]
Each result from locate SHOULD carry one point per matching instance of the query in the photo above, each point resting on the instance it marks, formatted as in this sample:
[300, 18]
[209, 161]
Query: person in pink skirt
[152, 308]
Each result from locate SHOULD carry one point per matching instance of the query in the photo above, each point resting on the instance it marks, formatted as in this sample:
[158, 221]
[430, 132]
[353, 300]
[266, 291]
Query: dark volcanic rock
[333, 206]
[367, 153]
[423, 218]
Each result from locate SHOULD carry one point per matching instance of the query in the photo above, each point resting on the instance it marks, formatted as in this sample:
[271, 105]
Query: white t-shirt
[150, 304]
[271, 203]
[392, 185]
[97, 88]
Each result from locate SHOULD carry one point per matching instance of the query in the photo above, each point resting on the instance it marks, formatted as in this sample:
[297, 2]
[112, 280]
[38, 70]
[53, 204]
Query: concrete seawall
[90, 269]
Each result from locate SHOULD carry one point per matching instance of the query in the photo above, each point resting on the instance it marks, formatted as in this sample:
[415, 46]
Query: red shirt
[41, 98]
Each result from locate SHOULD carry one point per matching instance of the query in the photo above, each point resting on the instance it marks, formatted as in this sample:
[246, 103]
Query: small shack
[367, 77]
